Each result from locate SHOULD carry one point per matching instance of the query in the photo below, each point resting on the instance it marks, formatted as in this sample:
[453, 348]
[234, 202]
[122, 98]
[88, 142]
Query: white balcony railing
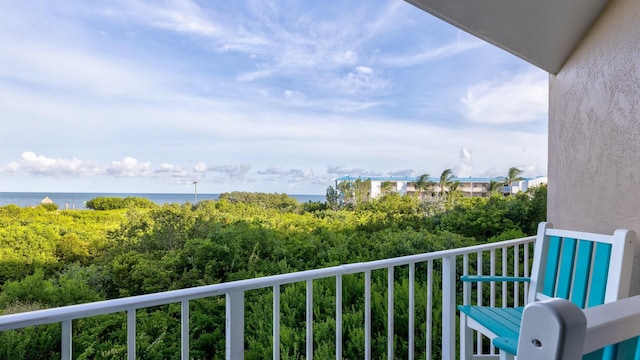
[501, 258]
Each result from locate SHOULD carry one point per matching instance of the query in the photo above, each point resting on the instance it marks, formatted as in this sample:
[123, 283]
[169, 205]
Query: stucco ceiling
[542, 32]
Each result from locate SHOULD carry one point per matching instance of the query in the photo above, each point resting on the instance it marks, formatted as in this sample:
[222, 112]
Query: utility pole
[195, 192]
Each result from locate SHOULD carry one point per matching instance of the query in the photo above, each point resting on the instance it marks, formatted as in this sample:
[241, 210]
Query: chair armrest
[506, 344]
[483, 278]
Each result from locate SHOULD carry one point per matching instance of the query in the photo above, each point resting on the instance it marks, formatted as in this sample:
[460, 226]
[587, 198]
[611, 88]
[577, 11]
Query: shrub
[113, 203]
[49, 207]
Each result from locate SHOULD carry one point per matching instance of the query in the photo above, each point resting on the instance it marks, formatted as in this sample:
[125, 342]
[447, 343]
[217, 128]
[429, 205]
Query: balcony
[432, 293]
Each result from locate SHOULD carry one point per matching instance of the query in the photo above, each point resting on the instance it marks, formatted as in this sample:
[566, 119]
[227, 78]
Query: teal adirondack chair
[557, 329]
[586, 268]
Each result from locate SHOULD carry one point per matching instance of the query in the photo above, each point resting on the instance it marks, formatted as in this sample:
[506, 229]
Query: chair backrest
[586, 268]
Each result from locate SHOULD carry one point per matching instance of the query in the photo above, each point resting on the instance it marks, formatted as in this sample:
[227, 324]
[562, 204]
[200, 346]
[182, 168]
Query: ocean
[77, 200]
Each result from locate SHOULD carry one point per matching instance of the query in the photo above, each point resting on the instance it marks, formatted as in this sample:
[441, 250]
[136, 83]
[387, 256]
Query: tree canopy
[55, 258]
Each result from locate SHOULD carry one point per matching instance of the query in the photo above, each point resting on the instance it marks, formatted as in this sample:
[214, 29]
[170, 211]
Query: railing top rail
[54, 315]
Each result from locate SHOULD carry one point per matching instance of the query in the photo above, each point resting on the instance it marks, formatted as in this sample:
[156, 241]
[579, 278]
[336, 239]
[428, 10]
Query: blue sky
[282, 96]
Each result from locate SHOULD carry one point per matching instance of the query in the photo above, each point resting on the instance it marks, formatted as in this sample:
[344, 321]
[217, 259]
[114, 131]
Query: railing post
[516, 273]
[429, 323]
[276, 322]
[367, 315]
[466, 335]
[184, 329]
[390, 312]
[309, 315]
[448, 307]
[131, 334]
[504, 273]
[67, 342]
[235, 325]
[526, 274]
[412, 311]
[339, 317]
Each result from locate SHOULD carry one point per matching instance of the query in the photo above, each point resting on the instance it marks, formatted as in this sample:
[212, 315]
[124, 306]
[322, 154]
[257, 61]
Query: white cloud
[432, 54]
[292, 178]
[255, 75]
[340, 170]
[364, 70]
[71, 68]
[273, 171]
[128, 167]
[297, 173]
[403, 172]
[169, 170]
[361, 80]
[349, 55]
[293, 95]
[232, 171]
[465, 154]
[200, 167]
[345, 106]
[530, 168]
[510, 99]
[176, 15]
[10, 167]
[465, 167]
[42, 165]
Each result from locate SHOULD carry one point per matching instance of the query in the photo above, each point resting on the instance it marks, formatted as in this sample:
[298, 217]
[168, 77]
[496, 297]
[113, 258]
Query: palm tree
[454, 186]
[346, 188]
[387, 187]
[454, 193]
[446, 178]
[494, 186]
[423, 183]
[362, 190]
[514, 175]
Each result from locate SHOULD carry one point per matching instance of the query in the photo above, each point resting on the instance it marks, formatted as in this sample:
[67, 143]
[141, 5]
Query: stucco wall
[594, 128]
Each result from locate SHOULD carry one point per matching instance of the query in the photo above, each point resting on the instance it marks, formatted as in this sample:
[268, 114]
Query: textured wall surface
[594, 129]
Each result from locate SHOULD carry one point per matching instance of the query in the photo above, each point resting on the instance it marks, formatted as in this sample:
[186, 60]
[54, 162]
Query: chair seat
[503, 322]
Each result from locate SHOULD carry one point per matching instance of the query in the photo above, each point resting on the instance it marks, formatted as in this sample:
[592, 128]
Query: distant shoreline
[73, 200]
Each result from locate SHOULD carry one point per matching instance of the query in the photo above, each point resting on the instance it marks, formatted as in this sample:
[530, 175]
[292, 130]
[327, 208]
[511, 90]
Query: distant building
[525, 184]
[470, 187]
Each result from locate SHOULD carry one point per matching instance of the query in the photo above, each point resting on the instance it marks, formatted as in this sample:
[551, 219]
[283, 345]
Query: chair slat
[629, 349]
[600, 274]
[582, 273]
[596, 355]
[565, 273]
[553, 258]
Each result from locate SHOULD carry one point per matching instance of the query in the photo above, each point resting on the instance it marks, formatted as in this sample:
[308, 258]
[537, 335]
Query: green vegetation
[114, 203]
[54, 258]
